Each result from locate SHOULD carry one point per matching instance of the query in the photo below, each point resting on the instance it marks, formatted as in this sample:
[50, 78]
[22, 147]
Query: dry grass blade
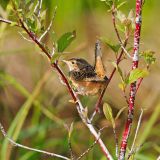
[17, 123]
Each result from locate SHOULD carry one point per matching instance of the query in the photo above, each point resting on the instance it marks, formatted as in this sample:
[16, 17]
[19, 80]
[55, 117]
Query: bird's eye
[72, 62]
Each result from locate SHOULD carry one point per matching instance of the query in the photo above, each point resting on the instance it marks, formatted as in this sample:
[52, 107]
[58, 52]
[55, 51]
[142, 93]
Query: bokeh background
[33, 100]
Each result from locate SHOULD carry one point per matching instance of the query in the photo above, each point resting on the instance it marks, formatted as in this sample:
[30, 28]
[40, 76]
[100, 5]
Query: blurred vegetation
[34, 106]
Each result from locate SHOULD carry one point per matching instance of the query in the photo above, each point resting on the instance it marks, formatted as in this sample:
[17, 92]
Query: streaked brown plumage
[86, 79]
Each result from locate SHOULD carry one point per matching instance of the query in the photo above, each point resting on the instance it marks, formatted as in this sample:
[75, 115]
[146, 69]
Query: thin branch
[114, 24]
[117, 33]
[135, 61]
[116, 141]
[110, 77]
[138, 84]
[38, 7]
[70, 130]
[125, 51]
[140, 81]
[87, 122]
[34, 38]
[25, 37]
[71, 150]
[9, 22]
[135, 150]
[93, 114]
[125, 97]
[29, 148]
[89, 149]
[72, 93]
[137, 129]
[49, 27]
[70, 90]
[117, 62]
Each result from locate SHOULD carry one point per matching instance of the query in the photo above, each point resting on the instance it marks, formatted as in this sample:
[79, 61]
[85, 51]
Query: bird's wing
[99, 67]
[96, 79]
[89, 75]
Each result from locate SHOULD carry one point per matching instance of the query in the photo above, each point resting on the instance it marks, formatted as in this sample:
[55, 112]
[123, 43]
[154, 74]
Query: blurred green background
[34, 105]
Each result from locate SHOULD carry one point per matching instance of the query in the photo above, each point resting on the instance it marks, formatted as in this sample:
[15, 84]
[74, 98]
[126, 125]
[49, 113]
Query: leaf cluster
[148, 57]
[34, 19]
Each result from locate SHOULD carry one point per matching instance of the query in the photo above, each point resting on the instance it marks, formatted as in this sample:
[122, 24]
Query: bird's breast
[87, 87]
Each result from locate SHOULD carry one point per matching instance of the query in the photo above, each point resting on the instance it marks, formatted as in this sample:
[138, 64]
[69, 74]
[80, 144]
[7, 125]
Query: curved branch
[79, 106]
[29, 148]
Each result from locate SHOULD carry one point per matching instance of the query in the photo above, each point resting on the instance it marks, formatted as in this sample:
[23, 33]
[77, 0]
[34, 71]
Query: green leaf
[130, 48]
[132, 157]
[131, 16]
[122, 86]
[70, 130]
[107, 110]
[31, 24]
[115, 47]
[136, 74]
[109, 3]
[38, 26]
[13, 24]
[55, 56]
[114, 64]
[130, 20]
[16, 3]
[121, 4]
[53, 37]
[85, 112]
[148, 57]
[119, 112]
[65, 40]
[4, 3]
[119, 71]
[121, 16]
[120, 27]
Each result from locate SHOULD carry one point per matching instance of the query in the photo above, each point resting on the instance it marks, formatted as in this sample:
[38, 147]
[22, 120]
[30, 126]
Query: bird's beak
[68, 64]
[65, 61]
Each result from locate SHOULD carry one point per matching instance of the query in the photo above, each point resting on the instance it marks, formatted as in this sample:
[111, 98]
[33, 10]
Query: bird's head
[76, 64]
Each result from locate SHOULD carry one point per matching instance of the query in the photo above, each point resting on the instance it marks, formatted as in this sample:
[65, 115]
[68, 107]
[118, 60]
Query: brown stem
[110, 77]
[138, 84]
[114, 25]
[118, 59]
[73, 95]
[125, 97]
[76, 100]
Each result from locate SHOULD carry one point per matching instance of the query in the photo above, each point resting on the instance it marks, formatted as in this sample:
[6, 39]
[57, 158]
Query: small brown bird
[86, 79]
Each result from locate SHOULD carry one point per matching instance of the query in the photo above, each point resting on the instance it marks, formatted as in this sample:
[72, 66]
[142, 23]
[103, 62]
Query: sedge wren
[85, 78]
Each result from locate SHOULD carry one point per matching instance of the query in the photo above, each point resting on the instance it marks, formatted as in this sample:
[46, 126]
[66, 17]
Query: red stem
[118, 61]
[55, 65]
[138, 84]
[133, 85]
[114, 24]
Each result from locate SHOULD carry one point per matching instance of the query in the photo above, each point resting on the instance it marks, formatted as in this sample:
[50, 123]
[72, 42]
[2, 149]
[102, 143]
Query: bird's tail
[99, 67]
